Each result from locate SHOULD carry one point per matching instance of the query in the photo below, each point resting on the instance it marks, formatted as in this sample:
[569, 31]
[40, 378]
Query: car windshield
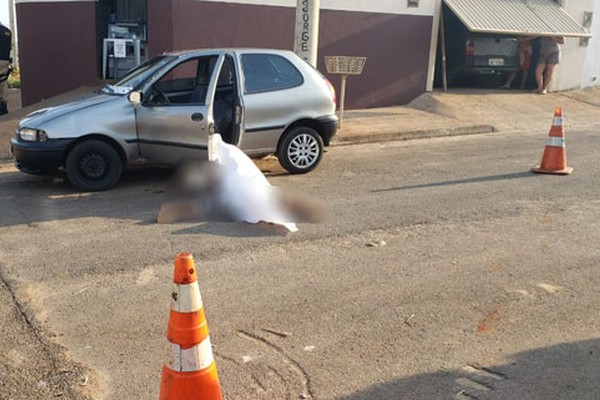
[137, 76]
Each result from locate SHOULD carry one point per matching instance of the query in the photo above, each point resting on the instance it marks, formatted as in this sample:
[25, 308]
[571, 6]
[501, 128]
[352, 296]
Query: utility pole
[306, 37]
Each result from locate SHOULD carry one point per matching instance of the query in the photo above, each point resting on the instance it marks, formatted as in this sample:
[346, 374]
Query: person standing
[525, 52]
[547, 62]
[5, 65]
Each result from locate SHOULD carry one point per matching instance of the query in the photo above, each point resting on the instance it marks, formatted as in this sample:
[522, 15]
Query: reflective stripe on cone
[554, 141]
[195, 358]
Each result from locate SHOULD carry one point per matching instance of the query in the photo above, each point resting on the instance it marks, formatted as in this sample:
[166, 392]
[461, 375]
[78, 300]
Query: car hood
[39, 117]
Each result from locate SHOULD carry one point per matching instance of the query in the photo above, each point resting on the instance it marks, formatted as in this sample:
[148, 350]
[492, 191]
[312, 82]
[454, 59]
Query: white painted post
[343, 78]
[435, 32]
[306, 35]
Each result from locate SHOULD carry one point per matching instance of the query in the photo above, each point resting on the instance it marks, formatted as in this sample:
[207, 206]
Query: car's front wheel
[300, 150]
[93, 166]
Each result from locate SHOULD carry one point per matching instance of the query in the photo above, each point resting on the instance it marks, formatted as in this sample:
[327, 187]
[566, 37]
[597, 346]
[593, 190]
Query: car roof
[226, 49]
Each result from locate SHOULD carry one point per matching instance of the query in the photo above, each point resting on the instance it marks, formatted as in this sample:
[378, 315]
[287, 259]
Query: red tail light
[470, 48]
[332, 91]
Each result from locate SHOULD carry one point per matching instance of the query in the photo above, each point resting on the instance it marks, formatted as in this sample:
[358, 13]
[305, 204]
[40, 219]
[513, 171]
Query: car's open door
[177, 113]
[228, 109]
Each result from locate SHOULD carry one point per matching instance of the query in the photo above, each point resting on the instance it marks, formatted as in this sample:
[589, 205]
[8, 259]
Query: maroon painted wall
[57, 48]
[160, 26]
[397, 51]
[208, 24]
[397, 46]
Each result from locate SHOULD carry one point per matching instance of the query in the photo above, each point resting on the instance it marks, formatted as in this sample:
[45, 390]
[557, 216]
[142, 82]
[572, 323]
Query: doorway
[121, 19]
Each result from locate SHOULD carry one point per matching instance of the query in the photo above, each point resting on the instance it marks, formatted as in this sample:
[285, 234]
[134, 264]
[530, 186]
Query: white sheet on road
[243, 188]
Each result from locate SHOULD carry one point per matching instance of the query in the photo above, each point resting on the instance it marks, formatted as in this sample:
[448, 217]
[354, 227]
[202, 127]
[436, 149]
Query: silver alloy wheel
[303, 151]
[300, 149]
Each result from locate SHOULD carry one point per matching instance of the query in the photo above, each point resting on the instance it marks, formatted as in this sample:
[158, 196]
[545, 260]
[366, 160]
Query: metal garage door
[516, 17]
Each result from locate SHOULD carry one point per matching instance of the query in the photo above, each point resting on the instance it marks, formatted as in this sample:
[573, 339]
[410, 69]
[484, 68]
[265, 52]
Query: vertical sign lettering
[306, 38]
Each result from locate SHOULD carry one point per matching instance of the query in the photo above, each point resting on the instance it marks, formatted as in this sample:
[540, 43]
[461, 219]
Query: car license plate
[496, 62]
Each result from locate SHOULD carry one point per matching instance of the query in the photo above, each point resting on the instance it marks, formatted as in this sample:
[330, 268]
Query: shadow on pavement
[569, 371]
[229, 229]
[29, 199]
[479, 179]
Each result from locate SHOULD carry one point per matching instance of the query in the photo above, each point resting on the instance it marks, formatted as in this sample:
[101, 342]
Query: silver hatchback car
[263, 101]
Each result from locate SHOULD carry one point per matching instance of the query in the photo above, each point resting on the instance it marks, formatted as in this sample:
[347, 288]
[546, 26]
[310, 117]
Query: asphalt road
[447, 271]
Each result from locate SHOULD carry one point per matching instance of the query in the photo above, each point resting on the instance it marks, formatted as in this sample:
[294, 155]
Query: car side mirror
[135, 98]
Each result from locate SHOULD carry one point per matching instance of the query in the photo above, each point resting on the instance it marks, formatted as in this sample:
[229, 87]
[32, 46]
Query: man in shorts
[547, 62]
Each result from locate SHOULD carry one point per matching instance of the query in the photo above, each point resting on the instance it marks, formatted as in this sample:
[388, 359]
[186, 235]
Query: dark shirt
[5, 43]
[548, 46]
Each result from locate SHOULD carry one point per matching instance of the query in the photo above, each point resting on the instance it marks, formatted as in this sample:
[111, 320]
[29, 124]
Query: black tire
[300, 150]
[93, 166]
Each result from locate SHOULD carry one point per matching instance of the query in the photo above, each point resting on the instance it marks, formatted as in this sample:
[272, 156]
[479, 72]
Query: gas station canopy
[516, 17]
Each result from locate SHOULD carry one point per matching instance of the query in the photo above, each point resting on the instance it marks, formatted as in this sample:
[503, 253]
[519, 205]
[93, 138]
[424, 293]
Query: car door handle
[197, 117]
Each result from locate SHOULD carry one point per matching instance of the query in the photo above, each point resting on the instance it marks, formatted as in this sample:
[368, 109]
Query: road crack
[32, 327]
[293, 364]
[61, 377]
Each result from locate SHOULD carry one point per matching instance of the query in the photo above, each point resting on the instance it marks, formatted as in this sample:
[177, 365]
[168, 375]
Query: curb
[410, 135]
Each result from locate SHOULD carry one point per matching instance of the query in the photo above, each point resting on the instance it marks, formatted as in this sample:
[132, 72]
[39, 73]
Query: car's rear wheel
[93, 166]
[300, 150]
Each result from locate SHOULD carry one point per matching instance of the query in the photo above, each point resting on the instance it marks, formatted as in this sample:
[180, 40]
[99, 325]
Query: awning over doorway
[516, 17]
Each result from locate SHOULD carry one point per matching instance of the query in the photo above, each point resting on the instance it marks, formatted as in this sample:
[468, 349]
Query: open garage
[496, 43]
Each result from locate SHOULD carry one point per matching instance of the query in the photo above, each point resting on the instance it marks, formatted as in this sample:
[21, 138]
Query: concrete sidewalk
[402, 123]
[460, 112]
[457, 112]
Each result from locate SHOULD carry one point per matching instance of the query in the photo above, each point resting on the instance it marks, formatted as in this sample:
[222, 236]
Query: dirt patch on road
[490, 320]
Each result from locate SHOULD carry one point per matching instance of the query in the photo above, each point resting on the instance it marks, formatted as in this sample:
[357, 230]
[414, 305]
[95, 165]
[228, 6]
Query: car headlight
[32, 135]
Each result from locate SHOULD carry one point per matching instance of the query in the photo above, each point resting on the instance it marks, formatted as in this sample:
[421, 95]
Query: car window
[182, 77]
[186, 83]
[137, 76]
[226, 74]
[269, 72]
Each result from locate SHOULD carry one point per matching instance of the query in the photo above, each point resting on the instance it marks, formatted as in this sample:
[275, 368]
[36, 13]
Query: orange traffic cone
[190, 371]
[554, 160]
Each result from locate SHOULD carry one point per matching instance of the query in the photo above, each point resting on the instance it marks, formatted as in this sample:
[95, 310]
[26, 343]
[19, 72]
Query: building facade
[60, 41]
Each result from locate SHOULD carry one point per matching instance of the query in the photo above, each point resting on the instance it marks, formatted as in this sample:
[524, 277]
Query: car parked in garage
[480, 59]
[263, 101]
[491, 55]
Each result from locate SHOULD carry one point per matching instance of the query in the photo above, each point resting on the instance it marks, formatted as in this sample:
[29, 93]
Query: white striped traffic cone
[190, 372]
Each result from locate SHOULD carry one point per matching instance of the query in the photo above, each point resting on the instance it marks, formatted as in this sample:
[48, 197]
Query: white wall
[591, 66]
[569, 74]
[4, 12]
